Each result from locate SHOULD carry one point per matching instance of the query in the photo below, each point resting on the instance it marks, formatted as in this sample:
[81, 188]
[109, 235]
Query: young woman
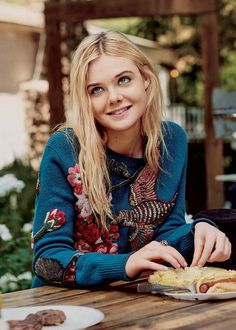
[111, 189]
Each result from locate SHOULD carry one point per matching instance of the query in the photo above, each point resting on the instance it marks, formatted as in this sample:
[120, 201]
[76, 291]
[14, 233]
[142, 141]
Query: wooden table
[125, 308]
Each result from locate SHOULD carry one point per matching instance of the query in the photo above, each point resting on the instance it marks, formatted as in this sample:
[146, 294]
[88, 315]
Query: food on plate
[205, 279]
[51, 316]
[222, 282]
[25, 325]
[36, 321]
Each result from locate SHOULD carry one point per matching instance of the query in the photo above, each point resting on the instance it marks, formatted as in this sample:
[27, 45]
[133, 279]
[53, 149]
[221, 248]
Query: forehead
[109, 66]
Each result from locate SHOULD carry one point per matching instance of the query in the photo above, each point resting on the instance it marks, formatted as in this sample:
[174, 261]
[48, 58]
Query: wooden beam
[54, 75]
[72, 11]
[213, 146]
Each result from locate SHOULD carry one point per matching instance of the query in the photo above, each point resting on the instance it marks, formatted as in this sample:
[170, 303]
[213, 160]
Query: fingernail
[165, 268]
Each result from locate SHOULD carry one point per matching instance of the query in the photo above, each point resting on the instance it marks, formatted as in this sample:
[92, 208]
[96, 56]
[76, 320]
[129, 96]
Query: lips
[119, 111]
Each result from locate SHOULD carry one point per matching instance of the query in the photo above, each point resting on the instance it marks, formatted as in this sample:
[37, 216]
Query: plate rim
[99, 314]
[199, 296]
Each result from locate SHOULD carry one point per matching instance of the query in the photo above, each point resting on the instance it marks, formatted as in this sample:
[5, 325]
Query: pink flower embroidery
[82, 203]
[75, 179]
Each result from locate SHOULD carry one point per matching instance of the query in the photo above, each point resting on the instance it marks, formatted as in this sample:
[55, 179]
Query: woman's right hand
[151, 256]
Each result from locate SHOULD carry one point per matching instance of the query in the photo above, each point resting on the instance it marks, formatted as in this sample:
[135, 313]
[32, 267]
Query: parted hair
[92, 156]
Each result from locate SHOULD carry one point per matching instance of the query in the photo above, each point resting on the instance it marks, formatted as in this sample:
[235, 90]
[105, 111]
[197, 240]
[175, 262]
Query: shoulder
[64, 143]
[175, 140]
[174, 132]
[62, 137]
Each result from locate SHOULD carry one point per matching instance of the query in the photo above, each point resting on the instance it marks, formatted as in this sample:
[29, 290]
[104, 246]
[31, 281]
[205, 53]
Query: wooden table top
[125, 308]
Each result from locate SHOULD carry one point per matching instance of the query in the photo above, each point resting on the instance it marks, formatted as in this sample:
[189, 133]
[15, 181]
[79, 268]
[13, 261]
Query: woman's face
[118, 93]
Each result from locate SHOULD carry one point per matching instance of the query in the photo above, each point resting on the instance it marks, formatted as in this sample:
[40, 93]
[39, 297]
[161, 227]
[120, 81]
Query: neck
[126, 145]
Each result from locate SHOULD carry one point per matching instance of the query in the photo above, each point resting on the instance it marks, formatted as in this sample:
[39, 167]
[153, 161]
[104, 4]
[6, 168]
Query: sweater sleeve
[53, 225]
[172, 180]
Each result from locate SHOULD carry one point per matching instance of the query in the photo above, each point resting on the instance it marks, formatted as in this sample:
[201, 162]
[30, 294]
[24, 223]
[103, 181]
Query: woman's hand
[210, 245]
[151, 256]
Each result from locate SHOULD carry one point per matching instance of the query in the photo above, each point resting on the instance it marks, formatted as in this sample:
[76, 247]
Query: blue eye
[96, 90]
[124, 80]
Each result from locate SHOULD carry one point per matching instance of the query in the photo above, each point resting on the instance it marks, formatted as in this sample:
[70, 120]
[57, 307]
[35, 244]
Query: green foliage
[182, 33]
[16, 213]
[228, 72]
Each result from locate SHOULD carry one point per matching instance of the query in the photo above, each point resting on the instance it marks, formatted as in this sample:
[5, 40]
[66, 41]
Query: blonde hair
[92, 156]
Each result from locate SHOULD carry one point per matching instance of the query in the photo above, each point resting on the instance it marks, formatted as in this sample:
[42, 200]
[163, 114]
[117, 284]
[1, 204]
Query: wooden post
[54, 75]
[213, 146]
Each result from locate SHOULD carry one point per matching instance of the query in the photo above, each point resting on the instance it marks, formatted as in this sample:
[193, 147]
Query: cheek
[142, 97]
[98, 105]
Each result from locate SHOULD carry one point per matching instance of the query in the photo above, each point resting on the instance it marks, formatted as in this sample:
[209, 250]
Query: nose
[114, 95]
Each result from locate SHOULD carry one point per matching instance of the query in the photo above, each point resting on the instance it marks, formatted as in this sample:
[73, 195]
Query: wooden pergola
[64, 19]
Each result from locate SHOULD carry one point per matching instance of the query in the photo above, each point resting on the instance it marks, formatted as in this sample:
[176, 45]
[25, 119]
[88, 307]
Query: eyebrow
[116, 76]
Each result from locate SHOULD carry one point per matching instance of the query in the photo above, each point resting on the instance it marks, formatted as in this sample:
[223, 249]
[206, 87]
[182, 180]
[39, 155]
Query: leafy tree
[182, 33]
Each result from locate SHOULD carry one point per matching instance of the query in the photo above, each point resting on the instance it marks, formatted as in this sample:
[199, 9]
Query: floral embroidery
[82, 203]
[89, 237]
[89, 234]
[69, 275]
[53, 220]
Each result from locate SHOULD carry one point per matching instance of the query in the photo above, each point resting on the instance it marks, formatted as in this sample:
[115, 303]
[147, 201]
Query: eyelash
[93, 90]
[126, 78]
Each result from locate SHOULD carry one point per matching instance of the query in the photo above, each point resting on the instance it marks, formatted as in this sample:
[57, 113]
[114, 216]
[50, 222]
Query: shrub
[17, 185]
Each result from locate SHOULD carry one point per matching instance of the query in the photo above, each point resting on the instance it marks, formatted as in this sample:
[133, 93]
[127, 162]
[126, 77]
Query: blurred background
[173, 45]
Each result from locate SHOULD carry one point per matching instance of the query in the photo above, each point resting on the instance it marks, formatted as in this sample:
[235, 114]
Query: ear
[146, 82]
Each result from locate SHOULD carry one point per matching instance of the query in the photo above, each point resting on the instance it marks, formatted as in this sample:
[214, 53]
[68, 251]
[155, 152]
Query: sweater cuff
[98, 268]
[195, 221]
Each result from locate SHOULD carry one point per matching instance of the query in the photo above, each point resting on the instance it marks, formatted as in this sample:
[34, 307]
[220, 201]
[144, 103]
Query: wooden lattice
[64, 29]
[36, 118]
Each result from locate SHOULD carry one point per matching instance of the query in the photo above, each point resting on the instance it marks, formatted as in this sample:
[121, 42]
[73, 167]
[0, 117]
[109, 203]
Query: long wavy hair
[92, 156]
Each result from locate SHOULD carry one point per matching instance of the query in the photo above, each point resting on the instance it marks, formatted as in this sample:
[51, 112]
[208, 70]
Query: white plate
[201, 296]
[77, 317]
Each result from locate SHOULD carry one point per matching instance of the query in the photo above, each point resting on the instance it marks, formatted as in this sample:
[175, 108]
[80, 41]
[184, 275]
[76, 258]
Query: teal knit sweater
[70, 248]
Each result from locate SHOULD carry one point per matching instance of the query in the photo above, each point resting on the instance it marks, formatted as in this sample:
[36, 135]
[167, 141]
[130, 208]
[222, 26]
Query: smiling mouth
[119, 111]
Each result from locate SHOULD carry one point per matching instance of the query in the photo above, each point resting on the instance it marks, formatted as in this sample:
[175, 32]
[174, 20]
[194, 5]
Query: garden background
[18, 174]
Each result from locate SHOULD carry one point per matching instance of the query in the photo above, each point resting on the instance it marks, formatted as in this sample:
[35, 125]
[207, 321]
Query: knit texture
[70, 248]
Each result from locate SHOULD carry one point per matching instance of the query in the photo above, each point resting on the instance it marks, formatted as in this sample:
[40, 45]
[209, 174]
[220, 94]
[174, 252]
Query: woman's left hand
[210, 245]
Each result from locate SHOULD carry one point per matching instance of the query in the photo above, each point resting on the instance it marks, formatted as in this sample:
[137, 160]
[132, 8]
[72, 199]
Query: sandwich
[204, 279]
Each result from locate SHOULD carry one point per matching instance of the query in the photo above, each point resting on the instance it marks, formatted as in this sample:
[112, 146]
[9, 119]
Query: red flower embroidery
[89, 236]
[53, 220]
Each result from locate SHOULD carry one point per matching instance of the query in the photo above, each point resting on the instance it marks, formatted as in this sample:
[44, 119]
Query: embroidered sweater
[70, 248]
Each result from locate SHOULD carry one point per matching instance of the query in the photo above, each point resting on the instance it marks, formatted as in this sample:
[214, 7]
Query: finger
[198, 248]
[171, 260]
[178, 256]
[151, 265]
[219, 250]
[221, 253]
[159, 251]
[207, 251]
[229, 249]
